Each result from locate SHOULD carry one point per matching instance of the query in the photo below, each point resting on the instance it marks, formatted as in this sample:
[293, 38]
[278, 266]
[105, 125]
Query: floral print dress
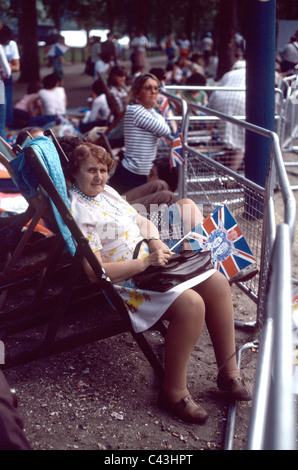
[109, 223]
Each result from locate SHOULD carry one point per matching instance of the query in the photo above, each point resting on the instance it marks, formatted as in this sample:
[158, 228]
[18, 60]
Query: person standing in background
[140, 45]
[184, 46]
[5, 72]
[290, 55]
[13, 58]
[207, 47]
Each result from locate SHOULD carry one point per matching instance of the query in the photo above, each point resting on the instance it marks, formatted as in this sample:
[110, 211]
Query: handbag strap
[137, 248]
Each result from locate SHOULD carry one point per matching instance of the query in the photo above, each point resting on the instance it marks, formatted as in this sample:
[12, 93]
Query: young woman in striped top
[143, 125]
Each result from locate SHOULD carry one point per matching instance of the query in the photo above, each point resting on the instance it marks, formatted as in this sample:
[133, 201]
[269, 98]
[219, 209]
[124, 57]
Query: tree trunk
[28, 39]
[227, 30]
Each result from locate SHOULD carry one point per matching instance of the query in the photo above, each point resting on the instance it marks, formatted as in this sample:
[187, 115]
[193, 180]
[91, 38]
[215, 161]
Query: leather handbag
[180, 268]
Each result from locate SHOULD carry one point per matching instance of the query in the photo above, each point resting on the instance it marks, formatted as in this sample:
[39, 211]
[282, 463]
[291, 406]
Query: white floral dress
[109, 223]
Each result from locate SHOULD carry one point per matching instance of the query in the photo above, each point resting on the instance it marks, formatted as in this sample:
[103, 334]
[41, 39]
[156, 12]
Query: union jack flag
[177, 157]
[220, 234]
[163, 105]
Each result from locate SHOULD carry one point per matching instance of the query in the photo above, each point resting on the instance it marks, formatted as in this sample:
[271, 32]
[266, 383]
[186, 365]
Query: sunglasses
[151, 88]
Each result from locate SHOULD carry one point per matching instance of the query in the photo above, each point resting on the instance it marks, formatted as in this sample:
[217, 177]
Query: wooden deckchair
[70, 290]
[23, 234]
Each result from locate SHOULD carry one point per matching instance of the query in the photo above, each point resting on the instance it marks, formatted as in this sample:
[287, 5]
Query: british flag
[163, 105]
[220, 234]
[177, 157]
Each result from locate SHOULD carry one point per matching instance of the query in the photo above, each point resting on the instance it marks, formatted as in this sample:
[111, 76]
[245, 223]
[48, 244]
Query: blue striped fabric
[142, 128]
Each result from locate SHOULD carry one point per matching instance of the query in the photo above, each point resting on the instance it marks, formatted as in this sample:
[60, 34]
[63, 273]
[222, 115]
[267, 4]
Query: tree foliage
[157, 19]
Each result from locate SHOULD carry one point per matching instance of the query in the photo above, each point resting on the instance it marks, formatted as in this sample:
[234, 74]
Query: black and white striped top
[142, 128]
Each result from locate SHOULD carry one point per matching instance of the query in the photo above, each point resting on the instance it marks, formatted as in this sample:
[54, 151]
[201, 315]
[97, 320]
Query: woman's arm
[119, 271]
[150, 232]
[35, 106]
[14, 65]
[156, 125]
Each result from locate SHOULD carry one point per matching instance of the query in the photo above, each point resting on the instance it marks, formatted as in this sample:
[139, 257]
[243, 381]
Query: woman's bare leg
[216, 294]
[190, 214]
[187, 317]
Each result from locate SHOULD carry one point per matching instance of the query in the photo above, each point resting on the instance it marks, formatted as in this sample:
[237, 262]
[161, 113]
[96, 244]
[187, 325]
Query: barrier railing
[209, 183]
[273, 421]
[288, 130]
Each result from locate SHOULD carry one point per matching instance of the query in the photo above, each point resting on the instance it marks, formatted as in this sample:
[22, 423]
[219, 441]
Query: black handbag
[180, 268]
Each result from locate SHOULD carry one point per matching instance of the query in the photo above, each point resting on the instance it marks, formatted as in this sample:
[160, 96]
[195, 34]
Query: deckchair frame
[101, 292]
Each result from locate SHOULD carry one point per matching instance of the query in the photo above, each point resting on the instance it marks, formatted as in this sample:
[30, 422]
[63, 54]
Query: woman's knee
[221, 281]
[217, 283]
[190, 213]
[159, 185]
[188, 306]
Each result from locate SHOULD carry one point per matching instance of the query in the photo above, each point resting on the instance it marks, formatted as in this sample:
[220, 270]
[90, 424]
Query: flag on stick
[177, 157]
[220, 234]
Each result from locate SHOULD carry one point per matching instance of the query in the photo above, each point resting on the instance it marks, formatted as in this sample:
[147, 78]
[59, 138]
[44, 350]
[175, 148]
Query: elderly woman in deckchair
[113, 228]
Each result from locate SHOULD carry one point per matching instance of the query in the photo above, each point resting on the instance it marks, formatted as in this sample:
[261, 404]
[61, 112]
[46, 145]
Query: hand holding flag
[220, 234]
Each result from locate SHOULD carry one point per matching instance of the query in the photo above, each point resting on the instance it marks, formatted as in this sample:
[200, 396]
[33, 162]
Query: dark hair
[33, 87]
[196, 79]
[69, 142]
[117, 70]
[158, 72]
[196, 56]
[138, 84]
[23, 134]
[6, 34]
[84, 151]
[50, 81]
[98, 87]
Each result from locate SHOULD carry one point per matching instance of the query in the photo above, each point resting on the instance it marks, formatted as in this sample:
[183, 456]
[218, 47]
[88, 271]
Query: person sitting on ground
[100, 110]
[162, 170]
[117, 87]
[28, 106]
[53, 102]
[114, 228]
[23, 134]
[195, 96]
[103, 66]
[142, 128]
[181, 70]
[197, 63]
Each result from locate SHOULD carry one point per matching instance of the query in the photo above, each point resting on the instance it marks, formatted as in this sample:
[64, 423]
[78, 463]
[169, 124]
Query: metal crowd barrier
[209, 183]
[272, 423]
[289, 113]
[288, 130]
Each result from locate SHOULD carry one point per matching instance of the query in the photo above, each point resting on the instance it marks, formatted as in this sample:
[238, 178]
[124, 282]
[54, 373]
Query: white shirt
[53, 101]
[99, 109]
[5, 70]
[12, 51]
[101, 67]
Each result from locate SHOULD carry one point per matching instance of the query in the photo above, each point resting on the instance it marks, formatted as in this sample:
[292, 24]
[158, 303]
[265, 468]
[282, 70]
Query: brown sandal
[186, 409]
[235, 388]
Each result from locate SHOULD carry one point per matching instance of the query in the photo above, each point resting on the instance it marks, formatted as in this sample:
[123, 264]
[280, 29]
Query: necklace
[76, 190]
[93, 198]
